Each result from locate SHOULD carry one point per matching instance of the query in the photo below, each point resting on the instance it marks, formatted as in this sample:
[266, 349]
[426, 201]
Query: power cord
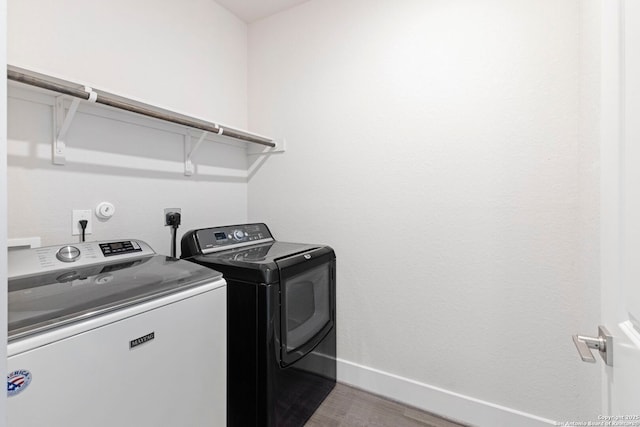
[83, 225]
[173, 219]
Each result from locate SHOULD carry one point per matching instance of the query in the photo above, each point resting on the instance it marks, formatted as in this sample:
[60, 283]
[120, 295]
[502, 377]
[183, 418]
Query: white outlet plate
[77, 215]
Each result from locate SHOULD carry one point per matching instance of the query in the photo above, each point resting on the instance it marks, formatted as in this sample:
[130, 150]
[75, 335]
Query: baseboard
[442, 402]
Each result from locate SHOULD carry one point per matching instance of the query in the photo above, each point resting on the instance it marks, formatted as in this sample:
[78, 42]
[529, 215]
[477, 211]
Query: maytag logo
[141, 340]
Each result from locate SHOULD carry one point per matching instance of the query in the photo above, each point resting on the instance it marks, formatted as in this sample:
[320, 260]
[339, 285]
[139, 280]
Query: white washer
[109, 333]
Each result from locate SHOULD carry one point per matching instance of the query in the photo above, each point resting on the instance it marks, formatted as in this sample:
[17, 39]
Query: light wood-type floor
[347, 406]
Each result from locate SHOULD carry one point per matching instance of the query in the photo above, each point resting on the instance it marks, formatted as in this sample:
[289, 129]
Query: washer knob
[68, 253]
[238, 234]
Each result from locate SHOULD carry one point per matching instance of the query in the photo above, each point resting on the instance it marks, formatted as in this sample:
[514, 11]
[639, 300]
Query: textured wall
[437, 145]
[186, 56]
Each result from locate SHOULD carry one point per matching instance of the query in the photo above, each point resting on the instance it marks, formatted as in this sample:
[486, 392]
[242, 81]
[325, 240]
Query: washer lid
[49, 300]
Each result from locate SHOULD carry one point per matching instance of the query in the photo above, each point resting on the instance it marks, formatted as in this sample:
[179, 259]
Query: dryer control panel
[233, 236]
[23, 262]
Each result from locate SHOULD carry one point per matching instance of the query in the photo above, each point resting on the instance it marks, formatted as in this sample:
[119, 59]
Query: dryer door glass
[307, 308]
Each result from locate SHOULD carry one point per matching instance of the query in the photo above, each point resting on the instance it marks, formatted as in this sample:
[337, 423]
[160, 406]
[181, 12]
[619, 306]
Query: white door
[620, 208]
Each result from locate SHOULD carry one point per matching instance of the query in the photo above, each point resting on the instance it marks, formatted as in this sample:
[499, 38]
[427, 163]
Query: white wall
[438, 146]
[188, 57]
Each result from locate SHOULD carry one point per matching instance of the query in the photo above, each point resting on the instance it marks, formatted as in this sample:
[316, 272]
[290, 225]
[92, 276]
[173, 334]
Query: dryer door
[307, 302]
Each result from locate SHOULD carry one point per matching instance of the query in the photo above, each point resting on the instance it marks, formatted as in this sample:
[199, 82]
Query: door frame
[611, 152]
[615, 205]
[3, 205]
[611, 124]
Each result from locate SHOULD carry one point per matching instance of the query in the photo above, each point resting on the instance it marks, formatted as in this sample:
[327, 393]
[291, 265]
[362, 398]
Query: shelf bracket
[62, 122]
[280, 147]
[260, 157]
[189, 168]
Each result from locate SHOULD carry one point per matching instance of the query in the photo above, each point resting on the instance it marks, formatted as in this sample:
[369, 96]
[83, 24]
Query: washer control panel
[22, 262]
[220, 238]
[120, 248]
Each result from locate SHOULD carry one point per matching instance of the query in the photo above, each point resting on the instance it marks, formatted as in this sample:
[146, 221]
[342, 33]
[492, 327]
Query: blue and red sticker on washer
[18, 381]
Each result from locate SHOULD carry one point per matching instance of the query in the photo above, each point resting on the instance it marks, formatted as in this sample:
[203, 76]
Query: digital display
[221, 236]
[117, 248]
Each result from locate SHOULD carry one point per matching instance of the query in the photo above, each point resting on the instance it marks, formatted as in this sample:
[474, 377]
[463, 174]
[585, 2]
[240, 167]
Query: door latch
[603, 343]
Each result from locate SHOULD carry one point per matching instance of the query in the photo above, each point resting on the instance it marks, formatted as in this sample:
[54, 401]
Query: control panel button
[238, 234]
[68, 253]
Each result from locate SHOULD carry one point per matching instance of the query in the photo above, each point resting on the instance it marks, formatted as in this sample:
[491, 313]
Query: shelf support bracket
[189, 168]
[62, 122]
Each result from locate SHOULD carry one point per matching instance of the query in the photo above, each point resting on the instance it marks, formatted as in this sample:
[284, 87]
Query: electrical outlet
[77, 215]
[170, 210]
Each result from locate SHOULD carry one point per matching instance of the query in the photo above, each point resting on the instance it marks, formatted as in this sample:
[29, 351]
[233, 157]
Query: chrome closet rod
[41, 81]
